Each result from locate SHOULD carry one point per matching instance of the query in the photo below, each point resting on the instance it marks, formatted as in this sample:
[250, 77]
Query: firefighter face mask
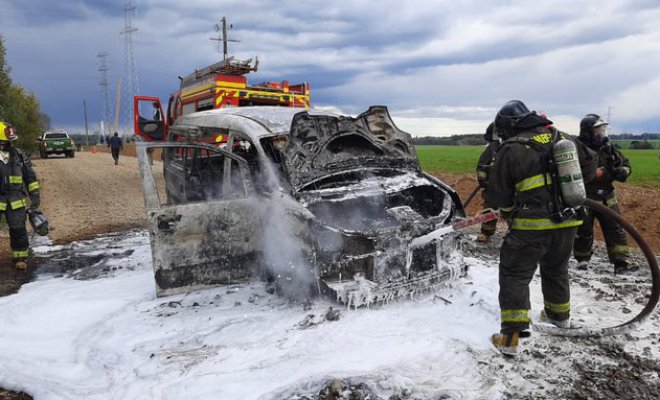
[600, 133]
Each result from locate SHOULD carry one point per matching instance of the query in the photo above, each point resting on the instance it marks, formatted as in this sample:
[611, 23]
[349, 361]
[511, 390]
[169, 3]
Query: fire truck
[223, 84]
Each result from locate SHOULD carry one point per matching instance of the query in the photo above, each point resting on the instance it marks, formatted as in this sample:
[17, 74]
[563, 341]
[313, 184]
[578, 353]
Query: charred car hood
[324, 145]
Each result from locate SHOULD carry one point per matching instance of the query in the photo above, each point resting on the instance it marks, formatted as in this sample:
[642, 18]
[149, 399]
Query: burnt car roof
[273, 120]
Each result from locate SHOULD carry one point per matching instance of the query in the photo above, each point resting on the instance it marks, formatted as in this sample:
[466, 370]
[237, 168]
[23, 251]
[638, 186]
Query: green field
[463, 159]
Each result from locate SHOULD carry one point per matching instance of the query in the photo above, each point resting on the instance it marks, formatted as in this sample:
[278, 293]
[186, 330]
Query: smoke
[286, 252]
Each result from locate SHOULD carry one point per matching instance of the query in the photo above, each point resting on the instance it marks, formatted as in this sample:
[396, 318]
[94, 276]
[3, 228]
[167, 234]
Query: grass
[463, 159]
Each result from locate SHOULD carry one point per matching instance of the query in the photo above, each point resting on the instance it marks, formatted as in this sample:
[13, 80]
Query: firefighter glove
[620, 174]
[35, 202]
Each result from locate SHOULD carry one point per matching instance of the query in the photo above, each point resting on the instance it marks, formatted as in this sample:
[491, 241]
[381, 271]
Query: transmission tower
[103, 83]
[131, 77]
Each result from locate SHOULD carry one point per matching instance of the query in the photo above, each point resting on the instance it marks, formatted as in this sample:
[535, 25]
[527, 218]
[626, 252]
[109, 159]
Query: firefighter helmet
[489, 136]
[591, 121]
[7, 133]
[38, 222]
[508, 116]
[587, 126]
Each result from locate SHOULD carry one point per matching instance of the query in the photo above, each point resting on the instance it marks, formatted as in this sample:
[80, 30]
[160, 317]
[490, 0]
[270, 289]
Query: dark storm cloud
[443, 59]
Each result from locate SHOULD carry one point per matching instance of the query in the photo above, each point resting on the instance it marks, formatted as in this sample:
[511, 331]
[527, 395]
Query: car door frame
[203, 243]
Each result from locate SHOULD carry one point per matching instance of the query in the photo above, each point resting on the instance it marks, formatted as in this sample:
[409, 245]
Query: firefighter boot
[583, 265]
[565, 324]
[623, 267]
[506, 343]
[483, 238]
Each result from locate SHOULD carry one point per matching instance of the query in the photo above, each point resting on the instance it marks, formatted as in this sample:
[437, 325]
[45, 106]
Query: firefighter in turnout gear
[541, 227]
[18, 181]
[612, 166]
[483, 168]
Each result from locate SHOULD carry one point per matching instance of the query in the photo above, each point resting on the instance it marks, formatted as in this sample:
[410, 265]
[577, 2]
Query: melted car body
[319, 203]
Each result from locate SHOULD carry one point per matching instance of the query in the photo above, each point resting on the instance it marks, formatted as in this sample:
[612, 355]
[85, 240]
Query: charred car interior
[320, 203]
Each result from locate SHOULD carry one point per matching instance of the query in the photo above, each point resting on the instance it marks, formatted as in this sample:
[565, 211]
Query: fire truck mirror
[150, 119]
[149, 111]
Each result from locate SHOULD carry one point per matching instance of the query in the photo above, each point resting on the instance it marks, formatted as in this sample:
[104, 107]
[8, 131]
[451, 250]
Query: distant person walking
[116, 146]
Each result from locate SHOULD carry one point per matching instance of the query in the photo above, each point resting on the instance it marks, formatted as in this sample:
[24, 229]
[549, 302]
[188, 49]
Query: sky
[441, 67]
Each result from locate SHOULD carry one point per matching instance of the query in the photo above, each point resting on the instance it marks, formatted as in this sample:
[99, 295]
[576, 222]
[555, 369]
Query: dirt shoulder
[81, 197]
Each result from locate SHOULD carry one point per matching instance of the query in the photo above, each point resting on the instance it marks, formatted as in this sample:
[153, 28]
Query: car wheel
[44, 155]
[73, 154]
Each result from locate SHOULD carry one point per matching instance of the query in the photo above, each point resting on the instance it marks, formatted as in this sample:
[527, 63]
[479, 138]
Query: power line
[222, 29]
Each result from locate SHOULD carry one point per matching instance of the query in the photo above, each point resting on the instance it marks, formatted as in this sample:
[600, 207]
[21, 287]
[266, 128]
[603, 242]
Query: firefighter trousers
[521, 253]
[18, 237]
[615, 237]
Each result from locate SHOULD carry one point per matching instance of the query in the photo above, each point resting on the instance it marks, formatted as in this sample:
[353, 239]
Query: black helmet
[488, 136]
[508, 116]
[589, 122]
[587, 125]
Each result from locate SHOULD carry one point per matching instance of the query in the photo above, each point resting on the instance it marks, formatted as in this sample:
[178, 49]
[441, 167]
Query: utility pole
[609, 118]
[86, 131]
[103, 83]
[132, 87]
[222, 27]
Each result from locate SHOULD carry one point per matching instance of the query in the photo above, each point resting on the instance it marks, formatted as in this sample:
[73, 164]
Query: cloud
[439, 66]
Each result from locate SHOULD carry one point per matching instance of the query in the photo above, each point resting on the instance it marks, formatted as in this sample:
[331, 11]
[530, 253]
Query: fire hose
[471, 196]
[636, 321]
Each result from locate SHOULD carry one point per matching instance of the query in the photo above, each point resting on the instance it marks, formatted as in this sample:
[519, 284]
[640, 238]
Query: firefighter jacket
[18, 181]
[486, 162]
[520, 183]
[616, 167]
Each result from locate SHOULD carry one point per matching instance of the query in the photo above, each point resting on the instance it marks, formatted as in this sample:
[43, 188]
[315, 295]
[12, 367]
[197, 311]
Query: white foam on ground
[110, 338]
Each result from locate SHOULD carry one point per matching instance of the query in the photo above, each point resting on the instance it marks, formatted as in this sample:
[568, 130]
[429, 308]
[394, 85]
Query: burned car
[319, 203]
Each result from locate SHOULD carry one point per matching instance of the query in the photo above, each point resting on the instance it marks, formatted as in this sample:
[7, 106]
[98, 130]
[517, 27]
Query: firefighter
[17, 181]
[612, 166]
[541, 230]
[483, 167]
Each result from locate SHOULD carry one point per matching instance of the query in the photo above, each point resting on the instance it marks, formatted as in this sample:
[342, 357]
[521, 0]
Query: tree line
[476, 139]
[20, 108]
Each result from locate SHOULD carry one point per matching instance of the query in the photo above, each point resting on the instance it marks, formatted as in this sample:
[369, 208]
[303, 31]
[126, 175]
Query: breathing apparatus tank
[569, 173]
[38, 222]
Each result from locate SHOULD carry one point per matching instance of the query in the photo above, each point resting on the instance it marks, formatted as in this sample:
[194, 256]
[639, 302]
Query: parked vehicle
[321, 203]
[56, 142]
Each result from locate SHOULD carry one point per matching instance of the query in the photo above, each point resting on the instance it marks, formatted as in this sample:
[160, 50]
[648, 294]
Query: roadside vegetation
[20, 108]
[463, 160]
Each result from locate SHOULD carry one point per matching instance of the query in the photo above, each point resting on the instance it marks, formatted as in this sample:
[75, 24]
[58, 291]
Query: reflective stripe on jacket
[17, 180]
